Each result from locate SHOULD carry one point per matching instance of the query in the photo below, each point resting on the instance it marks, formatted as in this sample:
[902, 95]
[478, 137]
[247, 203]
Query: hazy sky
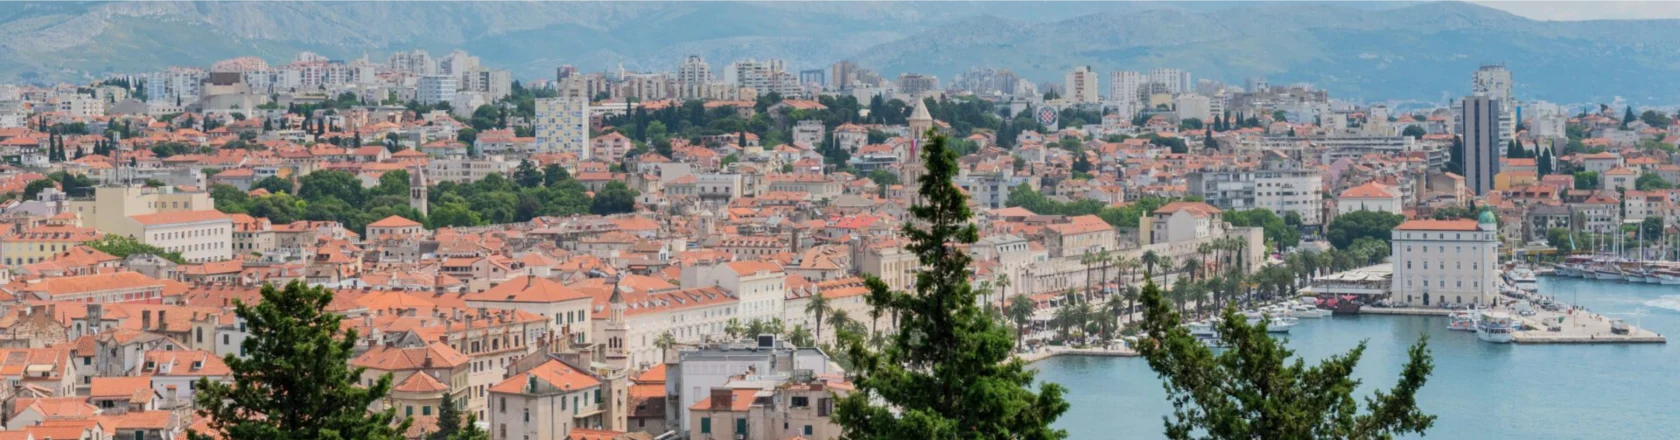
[1588, 10]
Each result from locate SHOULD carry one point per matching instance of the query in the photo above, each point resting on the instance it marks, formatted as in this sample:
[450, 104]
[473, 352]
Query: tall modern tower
[1482, 138]
[1081, 85]
[1494, 82]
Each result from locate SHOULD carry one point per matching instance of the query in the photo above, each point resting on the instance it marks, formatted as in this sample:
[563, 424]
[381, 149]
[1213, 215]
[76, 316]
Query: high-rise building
[692, 77]
[563, 123]
[843, 74]
[915, 83]
[1494, 82]
[457, 63]
[433, 89]
[761, 76]
[416, 62]
[1081, 86]
[1176, 81]
[1482, 140]
[817, 77]
[1123, 86]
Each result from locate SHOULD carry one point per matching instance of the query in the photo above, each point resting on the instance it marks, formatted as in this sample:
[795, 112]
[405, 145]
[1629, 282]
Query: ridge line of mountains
[1372, 51]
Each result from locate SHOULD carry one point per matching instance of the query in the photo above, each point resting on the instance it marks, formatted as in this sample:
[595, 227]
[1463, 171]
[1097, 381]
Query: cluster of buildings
[635, 325]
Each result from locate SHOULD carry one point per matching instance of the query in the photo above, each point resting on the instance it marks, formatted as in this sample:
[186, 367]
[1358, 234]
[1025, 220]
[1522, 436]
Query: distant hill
[1373, 51]
[1422, 51]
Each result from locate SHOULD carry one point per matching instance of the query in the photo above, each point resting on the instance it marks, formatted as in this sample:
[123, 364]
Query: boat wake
[1669, 302]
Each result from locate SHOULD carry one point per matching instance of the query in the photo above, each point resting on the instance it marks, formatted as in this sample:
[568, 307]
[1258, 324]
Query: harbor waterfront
[1479, 390]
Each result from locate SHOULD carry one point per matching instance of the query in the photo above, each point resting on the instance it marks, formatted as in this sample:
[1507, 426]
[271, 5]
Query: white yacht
[1523, 278]
[1496, 327]
[1306, 311]
[1279, 324]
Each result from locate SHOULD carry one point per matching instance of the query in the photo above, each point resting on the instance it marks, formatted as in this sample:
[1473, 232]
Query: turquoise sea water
[1479, 390]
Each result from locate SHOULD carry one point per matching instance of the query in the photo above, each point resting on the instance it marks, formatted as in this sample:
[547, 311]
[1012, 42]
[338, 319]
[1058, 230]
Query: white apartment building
[1176, 81]
[1279, 184]
[760, 286]
[1123, 86]
[433, 89]
[468, 170]
[199, 236]
[563, 125]
[692, 316]
[1194, 106]
[692, 77]
[1081, 85]
[1445, 261]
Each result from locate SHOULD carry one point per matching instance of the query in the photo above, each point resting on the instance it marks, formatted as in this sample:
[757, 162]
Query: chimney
[145, 319]
[428, 362]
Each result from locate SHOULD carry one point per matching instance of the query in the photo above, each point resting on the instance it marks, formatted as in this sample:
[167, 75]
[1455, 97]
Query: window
[800, 402]
[706, 425]
[741, 425]
[807, 429]
[426, 410]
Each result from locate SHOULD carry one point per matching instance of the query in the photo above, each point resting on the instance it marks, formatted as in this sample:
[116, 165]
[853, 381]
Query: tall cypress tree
[948, 372]
[295, 381]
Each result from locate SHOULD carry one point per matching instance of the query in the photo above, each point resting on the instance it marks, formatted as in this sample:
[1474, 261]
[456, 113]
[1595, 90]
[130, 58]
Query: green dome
[1486, 217]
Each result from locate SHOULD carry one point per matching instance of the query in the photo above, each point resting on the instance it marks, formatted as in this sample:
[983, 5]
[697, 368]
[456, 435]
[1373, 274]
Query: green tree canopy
[294, 380]
[1347, 228]
[122, 246]
[615, 198]
[1255, 390]
[948, 373]
[1651, 181]
[1415, 132]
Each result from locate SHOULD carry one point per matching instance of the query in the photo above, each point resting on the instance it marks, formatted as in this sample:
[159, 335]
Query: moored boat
[1304, 311]
[1496, 327]
[1279, 324]
[1464, 321]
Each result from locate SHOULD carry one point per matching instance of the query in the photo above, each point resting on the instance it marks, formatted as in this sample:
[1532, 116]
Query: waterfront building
[1446, 262]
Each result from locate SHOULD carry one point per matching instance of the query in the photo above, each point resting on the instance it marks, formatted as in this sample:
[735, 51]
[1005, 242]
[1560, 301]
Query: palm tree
[983, 291]
[1193, 267]
[733, 328]
[755, 328]
[1115, 307]
[799, 337]
[665, 341]
[1020, 310]
[1063, 318]
[1088, 260]
[818, 306]
[1082, 314]
[1149, 260]
[1132, 294]
[774, 326]
[1180, 293]
[1105, 260]
[1202, 250]
[839, 319]
[1002, 284]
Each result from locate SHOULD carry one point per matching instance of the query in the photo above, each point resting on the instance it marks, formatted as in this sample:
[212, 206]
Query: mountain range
[1373, 51]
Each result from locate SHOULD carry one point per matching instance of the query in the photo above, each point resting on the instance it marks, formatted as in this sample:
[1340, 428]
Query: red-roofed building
[548, 401]
[1371, 196]
[1445, 262]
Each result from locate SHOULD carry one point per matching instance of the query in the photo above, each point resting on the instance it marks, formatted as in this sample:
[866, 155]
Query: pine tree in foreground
[295, 381]
[1252, 390]
[948, 372]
